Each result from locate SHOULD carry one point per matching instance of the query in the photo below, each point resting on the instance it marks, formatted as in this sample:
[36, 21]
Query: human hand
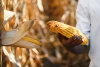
[70, 42]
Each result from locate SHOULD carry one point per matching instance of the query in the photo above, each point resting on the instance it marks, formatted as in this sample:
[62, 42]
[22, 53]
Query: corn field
[51, 53]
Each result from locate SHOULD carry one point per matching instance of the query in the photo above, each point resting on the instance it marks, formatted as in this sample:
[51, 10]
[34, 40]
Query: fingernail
[74, 37]
[79, 37]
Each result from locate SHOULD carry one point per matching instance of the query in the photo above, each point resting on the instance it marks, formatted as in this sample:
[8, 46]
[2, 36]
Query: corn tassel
[66, 30]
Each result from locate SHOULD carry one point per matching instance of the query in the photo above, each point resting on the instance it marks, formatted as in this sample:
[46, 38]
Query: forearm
[77, 49]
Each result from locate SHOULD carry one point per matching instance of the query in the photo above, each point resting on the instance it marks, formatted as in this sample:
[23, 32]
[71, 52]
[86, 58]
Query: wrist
[71, 46]
[78, 49]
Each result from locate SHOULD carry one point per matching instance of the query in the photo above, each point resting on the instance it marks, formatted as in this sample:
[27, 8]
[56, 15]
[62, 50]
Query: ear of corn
[32, 41]
[66, 30]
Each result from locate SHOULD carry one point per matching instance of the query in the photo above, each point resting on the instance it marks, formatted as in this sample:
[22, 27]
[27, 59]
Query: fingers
[64, 40]
[67, 42]
[77, 40]
[61, 37]
[70, 40]
[73, 41]
[80, 40]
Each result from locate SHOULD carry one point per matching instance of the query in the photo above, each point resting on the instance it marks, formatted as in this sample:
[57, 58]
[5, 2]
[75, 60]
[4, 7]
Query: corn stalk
[1, 26]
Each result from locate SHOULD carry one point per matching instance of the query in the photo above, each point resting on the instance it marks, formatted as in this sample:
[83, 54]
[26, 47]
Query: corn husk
[8, 14]
[14, 35]
[25, 44]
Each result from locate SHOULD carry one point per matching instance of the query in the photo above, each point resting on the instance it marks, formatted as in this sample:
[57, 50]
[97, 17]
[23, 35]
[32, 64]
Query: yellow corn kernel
[66, 30]
[32, 40]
